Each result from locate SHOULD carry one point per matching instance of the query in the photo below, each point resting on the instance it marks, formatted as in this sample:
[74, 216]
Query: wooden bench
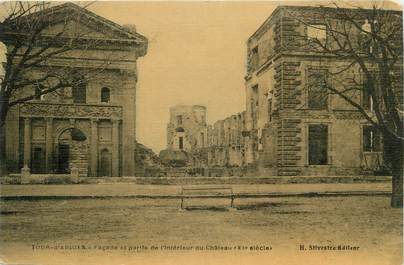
[207, 192]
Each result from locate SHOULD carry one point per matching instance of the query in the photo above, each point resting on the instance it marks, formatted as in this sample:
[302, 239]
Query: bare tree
[369, 42]
[32, 44]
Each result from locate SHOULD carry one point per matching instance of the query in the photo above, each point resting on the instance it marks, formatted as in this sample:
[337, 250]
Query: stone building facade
[291, 130]
[90, 126]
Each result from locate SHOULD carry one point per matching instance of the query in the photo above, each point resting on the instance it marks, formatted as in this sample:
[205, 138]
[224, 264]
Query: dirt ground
[128, 189]
[281, 224]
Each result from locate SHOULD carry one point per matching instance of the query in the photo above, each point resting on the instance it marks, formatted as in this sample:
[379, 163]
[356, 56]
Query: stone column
[115, 148]
[27, 142]
[128, 99]
[94, 148]
[49, 144]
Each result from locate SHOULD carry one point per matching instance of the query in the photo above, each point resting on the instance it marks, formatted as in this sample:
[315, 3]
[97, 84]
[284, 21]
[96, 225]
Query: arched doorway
[105, 163]
[72, 151]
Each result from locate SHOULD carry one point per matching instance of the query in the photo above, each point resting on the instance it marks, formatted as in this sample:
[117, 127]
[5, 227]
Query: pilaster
[27, 143]
[94, 148]
[115, 148]
[49, 144]
[128, 123]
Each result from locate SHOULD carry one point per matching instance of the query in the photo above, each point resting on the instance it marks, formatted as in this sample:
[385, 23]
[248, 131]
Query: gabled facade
[91, 126]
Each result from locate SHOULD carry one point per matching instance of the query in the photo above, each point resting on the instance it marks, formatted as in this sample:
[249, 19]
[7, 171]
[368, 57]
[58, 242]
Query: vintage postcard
[201, 132]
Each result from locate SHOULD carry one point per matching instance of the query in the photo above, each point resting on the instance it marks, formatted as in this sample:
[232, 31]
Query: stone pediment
[77, 29]
[71, 20]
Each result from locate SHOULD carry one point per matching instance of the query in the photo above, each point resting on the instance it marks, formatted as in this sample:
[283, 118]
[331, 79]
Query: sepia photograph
[201, 132]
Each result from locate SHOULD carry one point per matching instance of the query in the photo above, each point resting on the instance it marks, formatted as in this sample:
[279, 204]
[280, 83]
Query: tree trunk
[397, 178]
[3, 115]
[3, 165]
[393, 150]
[397, 189]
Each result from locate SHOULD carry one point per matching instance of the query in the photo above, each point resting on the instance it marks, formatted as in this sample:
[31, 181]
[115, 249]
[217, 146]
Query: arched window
[105, 95]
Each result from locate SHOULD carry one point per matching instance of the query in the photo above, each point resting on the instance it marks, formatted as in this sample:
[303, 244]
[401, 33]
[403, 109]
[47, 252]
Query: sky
[196, 56]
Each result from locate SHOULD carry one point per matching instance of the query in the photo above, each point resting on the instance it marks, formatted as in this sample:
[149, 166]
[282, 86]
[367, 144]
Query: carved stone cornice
[70, 111]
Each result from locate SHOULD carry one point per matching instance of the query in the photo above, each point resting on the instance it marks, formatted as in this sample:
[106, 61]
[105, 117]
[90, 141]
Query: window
[366, 27]
[105, 95]
[79, 92]
[366, 36]
[317, 32]
[254, 58]
[202, 139]
[270, 109]
[179, 120]
[367, 99]
[317, 89]
[371, 139]
[318, 144]
[255, 94]
[181, 143]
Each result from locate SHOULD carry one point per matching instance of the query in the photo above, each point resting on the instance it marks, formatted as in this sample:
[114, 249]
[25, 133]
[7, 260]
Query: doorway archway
[72, 151]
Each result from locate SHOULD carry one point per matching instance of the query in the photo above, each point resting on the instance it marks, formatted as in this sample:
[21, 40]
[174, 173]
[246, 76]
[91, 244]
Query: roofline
[281, 7]
[107, 22]
[265, 22]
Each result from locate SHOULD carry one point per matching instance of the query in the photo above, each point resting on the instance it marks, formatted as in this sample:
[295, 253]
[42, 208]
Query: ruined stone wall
[227, 146]
[189, 124]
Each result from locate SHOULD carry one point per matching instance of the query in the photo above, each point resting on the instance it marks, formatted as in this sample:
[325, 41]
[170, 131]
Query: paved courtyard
[282, 224]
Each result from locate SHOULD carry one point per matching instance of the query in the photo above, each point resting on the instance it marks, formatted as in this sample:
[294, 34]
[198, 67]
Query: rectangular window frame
[370, 106]
[179, 120]
[329, 142]
[307, 94]
[181, 143]
[255, 58]
[374, 136]
[315, 26]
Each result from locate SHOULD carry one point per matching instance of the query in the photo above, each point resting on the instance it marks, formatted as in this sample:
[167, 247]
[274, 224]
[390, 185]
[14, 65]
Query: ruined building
[227, 146]
[187, 128]
[202, 145]
[187, 134]
[91, 126]
[293, 125]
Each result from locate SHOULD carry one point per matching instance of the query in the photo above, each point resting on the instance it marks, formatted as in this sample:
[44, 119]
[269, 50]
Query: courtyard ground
[133, 190]
[278, 226]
